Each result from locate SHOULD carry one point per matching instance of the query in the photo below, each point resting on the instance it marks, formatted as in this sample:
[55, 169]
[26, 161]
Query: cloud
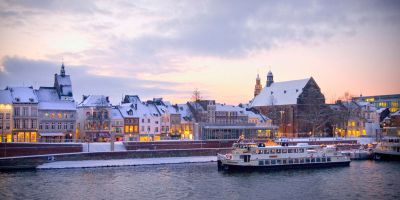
[20, 71]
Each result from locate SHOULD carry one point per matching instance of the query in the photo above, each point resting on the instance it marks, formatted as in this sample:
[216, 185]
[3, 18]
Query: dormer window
[31, 99]
[297, 90]
[272, 92]
[16, 99]
[284, 91]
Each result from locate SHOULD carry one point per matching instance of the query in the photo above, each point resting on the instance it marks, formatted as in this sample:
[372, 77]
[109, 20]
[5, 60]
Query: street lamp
[282, 112]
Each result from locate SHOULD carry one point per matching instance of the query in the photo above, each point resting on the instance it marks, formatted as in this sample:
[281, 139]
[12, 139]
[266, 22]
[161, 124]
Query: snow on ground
[102, 147]
[125, 162]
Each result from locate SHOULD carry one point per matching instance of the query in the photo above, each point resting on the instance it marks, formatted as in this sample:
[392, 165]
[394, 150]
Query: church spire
[270, 79]
[62, 72]
[258, 87]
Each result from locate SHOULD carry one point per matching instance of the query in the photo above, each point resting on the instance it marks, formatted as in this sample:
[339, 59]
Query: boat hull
[227, 167]
[386, 156]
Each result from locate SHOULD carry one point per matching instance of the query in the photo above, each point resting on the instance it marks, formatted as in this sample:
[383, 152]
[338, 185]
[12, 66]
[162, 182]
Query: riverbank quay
[26, 149]
[31, 162]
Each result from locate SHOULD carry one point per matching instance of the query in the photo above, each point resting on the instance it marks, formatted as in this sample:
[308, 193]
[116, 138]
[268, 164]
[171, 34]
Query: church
[295, 106]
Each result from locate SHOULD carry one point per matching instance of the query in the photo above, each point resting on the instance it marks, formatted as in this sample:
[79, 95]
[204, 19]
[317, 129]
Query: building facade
[94, 121]
[6, 116]
[382, 101]
[297, 107]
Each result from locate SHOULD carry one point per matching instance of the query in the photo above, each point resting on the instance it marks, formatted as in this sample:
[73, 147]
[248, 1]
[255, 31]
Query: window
[25, 123]
[71, 126]
[1, 115]
[25, 111]
[284, 150]
[284, 162]
[148, 120]
[142, 120]
[34, 111]
[278, 151]
[59, 115]
[47, 126]
[308, 160]
[53, 125]
[59, 126]
[318, 159]
[278, 162]
[52, 115]
[156, 129]
[65, 126]
[290, 150]
[105, 115]
[329, 159]
[266, 151]
[156, 122]
[142, 128]
[33, 123]
[260, 162]
[8, 115]
[16, 111]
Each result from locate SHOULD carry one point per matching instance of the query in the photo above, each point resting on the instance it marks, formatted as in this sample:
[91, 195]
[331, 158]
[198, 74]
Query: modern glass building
[391, 101]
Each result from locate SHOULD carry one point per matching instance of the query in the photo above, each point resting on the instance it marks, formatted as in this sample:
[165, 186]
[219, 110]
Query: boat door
[246, 158]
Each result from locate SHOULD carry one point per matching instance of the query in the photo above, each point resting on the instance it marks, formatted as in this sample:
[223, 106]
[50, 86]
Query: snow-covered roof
[65, 84]
[5, 97]
[280, 93]
[95, 100]
[396, 113]
[57, 105]
[23, 95]
[49, 100]
[184, 111]
[115, 114]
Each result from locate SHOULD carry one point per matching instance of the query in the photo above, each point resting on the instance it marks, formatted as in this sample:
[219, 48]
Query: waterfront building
[131, 120]
[57, 110]
[390, 101]
[183, 123]
[25, 114]
[94, 122]
[149, 118]
[117, 124]
[296, 106]
[6, 116]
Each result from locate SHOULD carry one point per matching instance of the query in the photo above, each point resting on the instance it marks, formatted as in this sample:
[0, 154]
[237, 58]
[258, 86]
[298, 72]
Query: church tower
[62, 84]
[258, 87]
[270, 79]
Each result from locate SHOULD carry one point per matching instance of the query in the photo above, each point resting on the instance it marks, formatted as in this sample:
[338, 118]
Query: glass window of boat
[318, 159]
[273, 151]
[301, 150]
[260, 162]
[290, 150]
[296, 160]
[329, 159]
[266, 162]
[308, 160]
[312, 159]
[284, 161]
[278, 162]
[284, 150]
[266, 151]
[273, 162]
[278, 151]
[323, 159]
[301, 160]
[290, 161]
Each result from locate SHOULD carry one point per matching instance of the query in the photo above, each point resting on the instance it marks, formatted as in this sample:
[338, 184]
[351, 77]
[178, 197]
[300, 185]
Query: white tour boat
[388, 149]
[250, 156]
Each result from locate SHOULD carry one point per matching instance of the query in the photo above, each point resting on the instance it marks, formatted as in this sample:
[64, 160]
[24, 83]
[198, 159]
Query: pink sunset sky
[169, 48]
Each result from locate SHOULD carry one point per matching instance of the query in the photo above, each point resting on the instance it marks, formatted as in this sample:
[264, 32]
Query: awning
[51, 134]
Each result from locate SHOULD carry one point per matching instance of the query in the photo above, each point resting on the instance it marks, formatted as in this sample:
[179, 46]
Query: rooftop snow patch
[280, 93]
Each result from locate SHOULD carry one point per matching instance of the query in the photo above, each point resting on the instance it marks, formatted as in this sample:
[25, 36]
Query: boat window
[278, 162]
[266, 151]
[296, 160]
[290, 161]
[284, 161]
[301, 160]
[267, 162]
[329, 159]
[284, 150]
[260, 162]
[260, 151]
[301, 150]
[323, 159]
[307, 160]
[318, 159]
[272, 151]
[290, 150]
[273, 162]
[295, 150]
[312, 159]
[278, 151]
[241, 156]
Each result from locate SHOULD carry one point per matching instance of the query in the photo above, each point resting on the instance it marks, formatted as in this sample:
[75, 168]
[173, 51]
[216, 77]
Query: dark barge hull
[280, 167]
[384, 156]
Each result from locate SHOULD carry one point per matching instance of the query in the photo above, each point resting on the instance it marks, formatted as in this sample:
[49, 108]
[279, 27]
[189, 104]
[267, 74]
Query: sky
[168, 48]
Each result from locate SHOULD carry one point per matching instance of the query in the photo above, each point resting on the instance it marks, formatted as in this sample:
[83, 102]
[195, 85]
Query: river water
[362, 180]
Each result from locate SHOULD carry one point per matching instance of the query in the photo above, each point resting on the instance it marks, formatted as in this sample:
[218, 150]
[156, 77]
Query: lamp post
[282, 112]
